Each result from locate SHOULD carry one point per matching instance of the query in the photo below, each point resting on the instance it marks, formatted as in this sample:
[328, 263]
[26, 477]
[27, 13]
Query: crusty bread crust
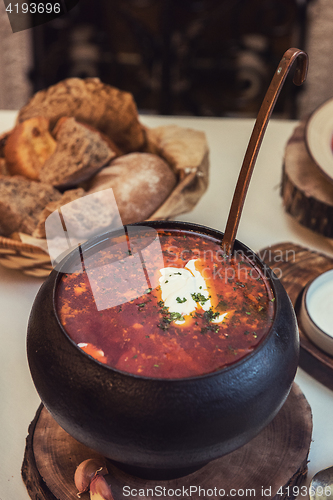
[90, 101]
[67, 197]
[21, 201]
[3, 140]
[140, 181]
[28, 146]
[3, 167]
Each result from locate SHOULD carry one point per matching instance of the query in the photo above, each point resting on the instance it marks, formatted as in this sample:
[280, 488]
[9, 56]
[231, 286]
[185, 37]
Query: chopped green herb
[135, 356]
[272, 300]
[248, 313]
[160, 303]
[176, 316]
[148, 290]
[156, 366]
[210, 315]
[147, 336]
[181, 301]
[210, 328]
[198, 297]
[168, 317]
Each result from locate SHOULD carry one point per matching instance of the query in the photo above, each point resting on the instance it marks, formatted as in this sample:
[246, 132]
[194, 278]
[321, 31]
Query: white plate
[316, 313]
[318, 137]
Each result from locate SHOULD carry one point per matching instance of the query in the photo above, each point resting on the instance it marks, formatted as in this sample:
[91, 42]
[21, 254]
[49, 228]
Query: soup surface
[165, 304]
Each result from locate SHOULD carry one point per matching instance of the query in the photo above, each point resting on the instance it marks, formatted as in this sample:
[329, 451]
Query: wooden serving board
[306, 193]
[296, 266]
[274, 461]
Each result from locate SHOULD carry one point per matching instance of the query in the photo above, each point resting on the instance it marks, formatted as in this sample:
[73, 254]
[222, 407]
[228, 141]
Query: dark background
[184, 57]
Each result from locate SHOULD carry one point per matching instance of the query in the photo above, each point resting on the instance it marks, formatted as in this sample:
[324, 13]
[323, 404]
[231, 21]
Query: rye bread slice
[78, 150]
[21, 202]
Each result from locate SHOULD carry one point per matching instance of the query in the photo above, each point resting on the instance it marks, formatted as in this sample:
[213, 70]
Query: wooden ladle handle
[256, 138]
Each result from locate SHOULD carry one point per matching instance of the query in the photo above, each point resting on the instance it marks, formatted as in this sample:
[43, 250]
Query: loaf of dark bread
[90, 101]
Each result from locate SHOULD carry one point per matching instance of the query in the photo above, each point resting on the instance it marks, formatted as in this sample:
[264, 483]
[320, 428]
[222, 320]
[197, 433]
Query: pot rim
[90, 243]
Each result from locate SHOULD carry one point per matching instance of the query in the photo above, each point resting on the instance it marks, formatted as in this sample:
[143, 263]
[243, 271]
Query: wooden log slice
[306, 194]
[296, 266]
[267, 467]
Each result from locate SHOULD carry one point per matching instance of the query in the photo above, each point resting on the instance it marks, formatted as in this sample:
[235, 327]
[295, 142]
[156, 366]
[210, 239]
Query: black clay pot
[161, 423]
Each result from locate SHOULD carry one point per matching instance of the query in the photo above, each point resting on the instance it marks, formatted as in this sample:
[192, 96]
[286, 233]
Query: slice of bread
[28, 146]
[79, 149]
[21, 201]
[112, 145]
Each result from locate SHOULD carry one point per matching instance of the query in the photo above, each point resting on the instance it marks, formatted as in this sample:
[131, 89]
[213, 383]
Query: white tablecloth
[263, 223]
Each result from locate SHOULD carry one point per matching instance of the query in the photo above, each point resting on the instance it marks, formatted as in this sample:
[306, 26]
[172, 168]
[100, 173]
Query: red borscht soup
[165, 304]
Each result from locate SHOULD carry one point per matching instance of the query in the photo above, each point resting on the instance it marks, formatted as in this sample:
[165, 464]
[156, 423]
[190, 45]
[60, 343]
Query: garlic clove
[86, 471]
[99, 489]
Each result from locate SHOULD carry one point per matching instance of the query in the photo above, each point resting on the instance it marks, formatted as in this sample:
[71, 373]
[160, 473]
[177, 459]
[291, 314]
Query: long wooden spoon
[256, 138]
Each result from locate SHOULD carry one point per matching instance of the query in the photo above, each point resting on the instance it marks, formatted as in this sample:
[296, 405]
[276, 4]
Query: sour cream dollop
[184, 290]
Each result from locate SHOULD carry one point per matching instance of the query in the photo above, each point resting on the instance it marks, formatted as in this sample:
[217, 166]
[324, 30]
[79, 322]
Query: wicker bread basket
[185, 150]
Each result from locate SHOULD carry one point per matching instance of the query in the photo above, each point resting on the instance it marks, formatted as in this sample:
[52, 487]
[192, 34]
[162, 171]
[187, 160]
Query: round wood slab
[296, 266]
[306, 193]
[276, 458]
